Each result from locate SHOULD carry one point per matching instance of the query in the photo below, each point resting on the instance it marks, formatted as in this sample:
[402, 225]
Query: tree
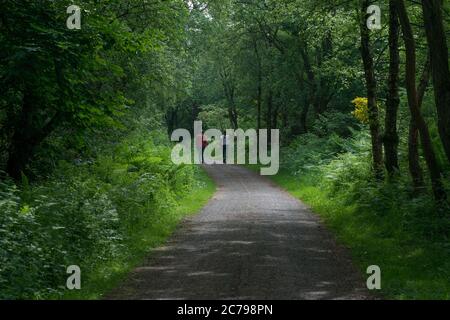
[371, 84]
[437, 42]
[391, 138]
[59, 78]
[413, 137]
[413, 102]
[40, 62]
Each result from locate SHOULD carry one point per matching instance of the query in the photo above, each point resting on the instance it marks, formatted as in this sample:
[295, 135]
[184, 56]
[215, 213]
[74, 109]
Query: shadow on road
[252, 241]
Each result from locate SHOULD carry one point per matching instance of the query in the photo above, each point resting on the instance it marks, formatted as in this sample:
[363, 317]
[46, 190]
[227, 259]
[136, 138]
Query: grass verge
[413, 266]
[111, 273]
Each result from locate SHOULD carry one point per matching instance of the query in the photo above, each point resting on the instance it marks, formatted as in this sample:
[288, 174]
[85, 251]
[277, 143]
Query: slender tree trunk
[170, 120]
[20, 149]
[301, 127]
[195, 110]
[304, 117]
[437, 42]
[414, 159]
[430, 157]
[259, 87]
[28, 133]
[377, 148]
[312, 85]
[269, 110]
[413, 142]
[275, 117]
[391, 139]
[233, 116]
[232, 112]
[229, 89]
[284, 119]
[258, 107]
[27, 137]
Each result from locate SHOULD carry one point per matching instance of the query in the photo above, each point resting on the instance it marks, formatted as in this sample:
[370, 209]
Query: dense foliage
[89, 179]
[86, 214]
[84, 116]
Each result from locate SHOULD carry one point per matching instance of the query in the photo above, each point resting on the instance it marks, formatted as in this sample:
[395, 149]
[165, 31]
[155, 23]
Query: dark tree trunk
[311, 78]
[414, 159]
[233, 116]
[275, 117]
[232, 113]
[171, 120]
[413, 142]
[259, 86]
[28, 133]
[229, 89]
[377, 148]
[437, 42]
[430, 157]
[304, 117]
[258, 106]
[195, 110]
[301, 127]
[27, 137]
[391, 139]
[284, 119]
[269, 110]
[18, 158]
[21, 146]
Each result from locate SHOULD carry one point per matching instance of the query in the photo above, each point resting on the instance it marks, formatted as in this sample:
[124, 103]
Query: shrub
[85, 214]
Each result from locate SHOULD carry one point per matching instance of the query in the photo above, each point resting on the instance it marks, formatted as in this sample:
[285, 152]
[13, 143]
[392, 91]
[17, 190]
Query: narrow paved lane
[252, 241]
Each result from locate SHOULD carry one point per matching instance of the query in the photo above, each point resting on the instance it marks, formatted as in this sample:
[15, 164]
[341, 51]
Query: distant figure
[199, 146]
[204, 145]
[225, 140]
[201, 142]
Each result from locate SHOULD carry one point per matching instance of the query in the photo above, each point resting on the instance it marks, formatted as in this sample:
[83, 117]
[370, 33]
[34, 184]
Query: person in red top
[204, 145]
[201, 142]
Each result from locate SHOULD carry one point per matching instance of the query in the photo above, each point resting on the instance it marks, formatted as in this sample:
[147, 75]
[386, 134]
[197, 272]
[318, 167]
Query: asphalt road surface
[251, 241]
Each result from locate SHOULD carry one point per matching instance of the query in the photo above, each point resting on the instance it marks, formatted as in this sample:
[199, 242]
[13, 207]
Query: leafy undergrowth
[102, 214]
[109, 275]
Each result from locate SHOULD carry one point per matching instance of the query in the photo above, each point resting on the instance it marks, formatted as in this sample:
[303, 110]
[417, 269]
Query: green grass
[413, 266]
[111, 273]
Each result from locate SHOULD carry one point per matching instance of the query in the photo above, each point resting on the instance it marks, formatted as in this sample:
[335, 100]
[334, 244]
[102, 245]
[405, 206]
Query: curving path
[251, 241]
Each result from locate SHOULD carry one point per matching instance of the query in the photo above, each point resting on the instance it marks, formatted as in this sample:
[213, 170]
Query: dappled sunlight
[256, 247]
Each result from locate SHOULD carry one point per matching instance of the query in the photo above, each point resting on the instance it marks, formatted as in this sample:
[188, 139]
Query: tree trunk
[258, 107]
[233, 117]
[21, 147]
[312, 85]
[437, 42]
[413, 141]
[269, 110]
[430, 157]
[377, 148]
[391, 139]
[259, 87]
[275, 117]
[232, 113]
[27, 137]
[229, 89]
[304, 117]
[171, 120]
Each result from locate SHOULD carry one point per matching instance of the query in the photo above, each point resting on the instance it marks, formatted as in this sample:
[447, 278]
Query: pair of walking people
[202, 143]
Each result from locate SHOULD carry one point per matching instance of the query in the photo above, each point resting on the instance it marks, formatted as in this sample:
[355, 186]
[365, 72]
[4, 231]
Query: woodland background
[85, 116]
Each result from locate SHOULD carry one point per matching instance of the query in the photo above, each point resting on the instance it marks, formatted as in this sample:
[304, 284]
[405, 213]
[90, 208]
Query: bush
[85, 214]
[342, 168]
